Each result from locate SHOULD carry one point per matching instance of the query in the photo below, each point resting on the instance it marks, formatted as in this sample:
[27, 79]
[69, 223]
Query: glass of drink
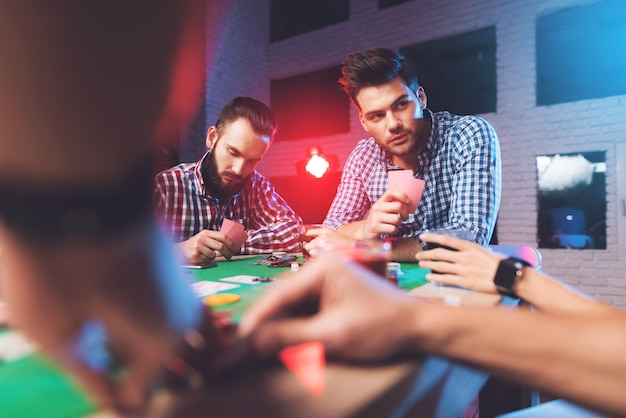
[455, 233]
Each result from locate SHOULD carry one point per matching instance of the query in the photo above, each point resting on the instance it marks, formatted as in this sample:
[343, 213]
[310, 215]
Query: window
[572, 200]
[310, 105]
[290, 17]
[458, 73]
[581, 53]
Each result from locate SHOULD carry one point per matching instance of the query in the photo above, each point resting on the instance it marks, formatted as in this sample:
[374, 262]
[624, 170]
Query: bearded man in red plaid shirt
[193, 199]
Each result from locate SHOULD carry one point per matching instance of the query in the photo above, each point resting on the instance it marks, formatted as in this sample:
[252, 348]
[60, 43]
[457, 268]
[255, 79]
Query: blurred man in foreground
[87, 89]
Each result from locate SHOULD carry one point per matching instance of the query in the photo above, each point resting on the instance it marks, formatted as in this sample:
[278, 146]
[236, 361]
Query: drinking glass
[455, 233]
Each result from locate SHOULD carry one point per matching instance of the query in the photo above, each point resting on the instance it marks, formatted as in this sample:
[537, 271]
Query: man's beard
[213, 181]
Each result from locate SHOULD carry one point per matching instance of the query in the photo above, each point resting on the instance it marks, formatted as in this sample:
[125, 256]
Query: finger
[447, 241]
[442, 267]
[437, 254]
[432, 238]
[223, 244]
[133, 391]
[317, 232]
[395, 196]
[206, 254]
[97, 384]
[273, 336]
[444, 278]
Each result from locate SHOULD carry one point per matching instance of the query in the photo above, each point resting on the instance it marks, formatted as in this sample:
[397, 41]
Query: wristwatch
[508, 273]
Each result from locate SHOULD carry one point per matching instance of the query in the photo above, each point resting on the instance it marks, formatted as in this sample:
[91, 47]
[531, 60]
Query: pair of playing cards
[205, 288]
[403, 181]
[235, 231]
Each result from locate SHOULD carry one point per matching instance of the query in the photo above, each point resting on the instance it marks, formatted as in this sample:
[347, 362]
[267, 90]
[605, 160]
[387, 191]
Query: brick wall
[245, 63]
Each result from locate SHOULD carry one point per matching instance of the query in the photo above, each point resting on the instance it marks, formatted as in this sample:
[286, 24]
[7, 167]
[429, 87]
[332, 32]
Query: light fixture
[316, 163]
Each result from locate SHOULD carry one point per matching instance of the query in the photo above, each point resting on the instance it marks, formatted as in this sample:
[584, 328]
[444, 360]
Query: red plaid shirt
[184, 208]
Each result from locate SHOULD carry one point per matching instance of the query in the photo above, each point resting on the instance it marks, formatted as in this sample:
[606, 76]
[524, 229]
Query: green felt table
[32, 387]
[411, 277]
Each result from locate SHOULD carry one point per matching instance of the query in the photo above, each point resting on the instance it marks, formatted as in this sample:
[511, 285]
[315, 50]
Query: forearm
[274, 236]
[551, 296]
[352, 230]
[577, 358]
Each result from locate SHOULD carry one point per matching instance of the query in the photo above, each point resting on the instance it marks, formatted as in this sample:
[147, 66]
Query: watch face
[506, 276]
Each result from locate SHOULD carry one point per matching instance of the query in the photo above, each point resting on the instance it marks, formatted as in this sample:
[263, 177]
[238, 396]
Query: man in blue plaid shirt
[457, 156]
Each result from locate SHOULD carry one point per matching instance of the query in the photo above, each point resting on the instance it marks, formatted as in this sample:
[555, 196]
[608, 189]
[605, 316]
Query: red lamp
[317, 165]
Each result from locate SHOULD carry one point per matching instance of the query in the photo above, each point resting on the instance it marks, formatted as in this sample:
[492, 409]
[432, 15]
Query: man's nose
[237, 167]
[393, 122]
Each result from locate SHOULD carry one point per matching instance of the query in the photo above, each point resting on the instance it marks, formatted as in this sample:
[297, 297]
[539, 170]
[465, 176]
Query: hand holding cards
[403, 181]
[235, 231]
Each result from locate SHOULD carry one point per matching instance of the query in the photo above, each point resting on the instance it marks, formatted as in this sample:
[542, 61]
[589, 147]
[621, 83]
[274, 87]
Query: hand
[203, 247]
[320, 236]
[131, 288]
[386, 215]
[355, 314]
[470, 266]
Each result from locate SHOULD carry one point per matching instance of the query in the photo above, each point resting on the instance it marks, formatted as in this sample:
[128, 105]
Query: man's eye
[402, 104]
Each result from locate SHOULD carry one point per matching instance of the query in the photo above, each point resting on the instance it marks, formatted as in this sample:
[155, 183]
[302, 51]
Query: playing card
[403, 181]
[235, 231]
[14, 345]
[205, 288]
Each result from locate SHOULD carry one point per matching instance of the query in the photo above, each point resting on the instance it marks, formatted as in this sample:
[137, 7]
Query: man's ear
[421, 95]
[211, 137]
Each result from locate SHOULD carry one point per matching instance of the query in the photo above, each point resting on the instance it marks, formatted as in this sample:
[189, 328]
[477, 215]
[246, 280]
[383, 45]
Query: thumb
[273, 336]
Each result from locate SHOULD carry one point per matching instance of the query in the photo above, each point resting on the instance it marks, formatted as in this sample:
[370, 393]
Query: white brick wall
[246, 62]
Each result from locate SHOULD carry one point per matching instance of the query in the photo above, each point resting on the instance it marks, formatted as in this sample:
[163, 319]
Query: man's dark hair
[260, 117]
[374, 67]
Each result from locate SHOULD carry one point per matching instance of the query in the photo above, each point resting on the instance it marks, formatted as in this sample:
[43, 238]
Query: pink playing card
[403, 181]
[234, 231]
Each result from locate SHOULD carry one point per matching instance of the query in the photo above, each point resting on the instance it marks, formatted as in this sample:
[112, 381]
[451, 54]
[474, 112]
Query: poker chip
[221, 299]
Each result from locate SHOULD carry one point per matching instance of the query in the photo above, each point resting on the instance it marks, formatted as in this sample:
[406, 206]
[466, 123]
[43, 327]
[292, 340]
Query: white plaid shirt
[184, 208]
[460, 164]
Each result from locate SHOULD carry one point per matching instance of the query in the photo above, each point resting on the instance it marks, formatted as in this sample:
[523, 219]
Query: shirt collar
[198, 173]
[424, 155]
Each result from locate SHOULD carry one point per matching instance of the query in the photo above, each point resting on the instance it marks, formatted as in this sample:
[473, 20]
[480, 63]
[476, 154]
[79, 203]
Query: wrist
[425, 328]
[509, 273]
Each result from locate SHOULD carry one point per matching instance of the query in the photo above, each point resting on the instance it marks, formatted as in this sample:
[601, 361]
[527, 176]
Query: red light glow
[317, 166]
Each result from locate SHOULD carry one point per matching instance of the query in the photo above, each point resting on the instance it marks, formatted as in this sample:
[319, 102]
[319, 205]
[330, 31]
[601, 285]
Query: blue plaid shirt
[460, 164]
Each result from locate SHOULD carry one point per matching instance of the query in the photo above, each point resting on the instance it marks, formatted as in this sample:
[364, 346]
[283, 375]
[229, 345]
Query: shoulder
[468, 129]
[366, 145]
[365, 152]
[178, 172]
[259, 182]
